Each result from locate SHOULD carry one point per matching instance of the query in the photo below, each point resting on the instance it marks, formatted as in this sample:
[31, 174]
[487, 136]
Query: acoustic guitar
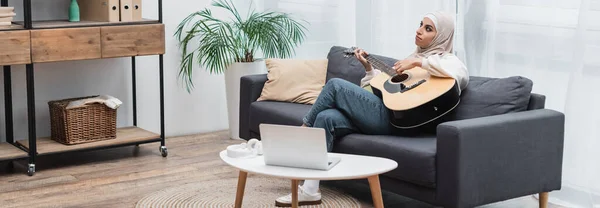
[414, 97]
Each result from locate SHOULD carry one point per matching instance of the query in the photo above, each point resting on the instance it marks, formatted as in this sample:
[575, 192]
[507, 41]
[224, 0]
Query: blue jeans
[343, 108]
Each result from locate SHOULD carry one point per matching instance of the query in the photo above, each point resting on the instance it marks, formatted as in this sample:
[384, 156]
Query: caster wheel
[136, 150]
[31, 170]
[163, 151]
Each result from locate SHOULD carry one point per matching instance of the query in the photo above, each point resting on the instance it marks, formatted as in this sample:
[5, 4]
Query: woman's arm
[447, 66]
[370, 71]
[370, 74]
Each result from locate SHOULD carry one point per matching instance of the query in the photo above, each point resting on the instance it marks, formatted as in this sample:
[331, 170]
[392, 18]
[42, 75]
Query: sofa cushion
[415, 155]
[273, 112]
[348, 68]
[493, 96]
[294, 80]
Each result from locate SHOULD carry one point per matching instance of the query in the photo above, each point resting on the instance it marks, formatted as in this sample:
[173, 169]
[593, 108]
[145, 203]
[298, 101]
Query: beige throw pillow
[294, 80]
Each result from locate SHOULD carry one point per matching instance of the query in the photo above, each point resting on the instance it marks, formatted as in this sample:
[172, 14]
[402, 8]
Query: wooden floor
[120, 177]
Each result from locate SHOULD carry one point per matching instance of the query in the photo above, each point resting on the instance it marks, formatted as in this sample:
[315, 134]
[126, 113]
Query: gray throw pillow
[348, 68]
[493, 96]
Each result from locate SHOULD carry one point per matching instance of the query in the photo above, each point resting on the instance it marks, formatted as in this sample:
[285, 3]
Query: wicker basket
[94, 122]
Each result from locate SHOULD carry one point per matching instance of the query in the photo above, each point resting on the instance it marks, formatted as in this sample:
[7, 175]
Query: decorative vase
[233, 74]
[74, 11]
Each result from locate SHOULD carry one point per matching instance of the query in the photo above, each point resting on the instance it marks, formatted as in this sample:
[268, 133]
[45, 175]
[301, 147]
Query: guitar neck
[381, 65]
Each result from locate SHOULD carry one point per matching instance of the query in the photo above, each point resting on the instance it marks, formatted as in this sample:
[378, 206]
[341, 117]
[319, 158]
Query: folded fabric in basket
[107, 100]
[6, 19]
[4, 10]
[7, 14]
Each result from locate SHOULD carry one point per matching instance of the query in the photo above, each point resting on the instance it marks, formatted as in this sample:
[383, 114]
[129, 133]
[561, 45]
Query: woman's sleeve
[447, 66]
[370, 74]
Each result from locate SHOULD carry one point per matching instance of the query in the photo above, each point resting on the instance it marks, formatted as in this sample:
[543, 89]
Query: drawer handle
[126, 6]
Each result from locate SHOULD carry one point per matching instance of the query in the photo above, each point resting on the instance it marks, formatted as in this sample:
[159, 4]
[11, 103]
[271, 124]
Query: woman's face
[425, 33]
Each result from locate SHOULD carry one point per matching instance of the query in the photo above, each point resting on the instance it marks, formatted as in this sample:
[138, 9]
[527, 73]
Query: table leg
[240, 189]
[294, 193]
[376, 191]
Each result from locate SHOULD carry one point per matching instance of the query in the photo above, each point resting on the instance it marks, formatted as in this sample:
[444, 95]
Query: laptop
[295, 146]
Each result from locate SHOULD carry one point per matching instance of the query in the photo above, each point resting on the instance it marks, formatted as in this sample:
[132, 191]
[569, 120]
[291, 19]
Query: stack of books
[6, 16]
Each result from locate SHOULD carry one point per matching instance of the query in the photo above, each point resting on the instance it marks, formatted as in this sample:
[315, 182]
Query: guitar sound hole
[399, 78]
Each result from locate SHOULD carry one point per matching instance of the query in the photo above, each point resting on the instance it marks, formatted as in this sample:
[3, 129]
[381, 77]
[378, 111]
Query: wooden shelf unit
[68, 44]
[15, 47]
[125, 136]
[11, 152]
[53, 24]
[12, 27]
[30, 42]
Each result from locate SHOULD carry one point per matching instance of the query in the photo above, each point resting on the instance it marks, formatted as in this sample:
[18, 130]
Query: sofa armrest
[488, 159]
[250, 89]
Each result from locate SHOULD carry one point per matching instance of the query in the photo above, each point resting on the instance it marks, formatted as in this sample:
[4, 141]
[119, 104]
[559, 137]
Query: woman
[343, 107]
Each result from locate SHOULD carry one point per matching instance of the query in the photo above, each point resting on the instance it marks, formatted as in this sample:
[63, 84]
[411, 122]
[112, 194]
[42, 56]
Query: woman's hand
[360, 55]
[406, 64]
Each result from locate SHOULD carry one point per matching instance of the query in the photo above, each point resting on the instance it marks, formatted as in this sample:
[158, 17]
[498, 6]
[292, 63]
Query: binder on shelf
[126, 10]
[137, 10]
[99, 10]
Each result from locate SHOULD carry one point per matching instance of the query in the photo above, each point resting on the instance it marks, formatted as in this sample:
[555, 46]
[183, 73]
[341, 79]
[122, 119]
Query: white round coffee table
[350, 167]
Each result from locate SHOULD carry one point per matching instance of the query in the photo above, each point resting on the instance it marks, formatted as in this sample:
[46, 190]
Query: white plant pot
[233, 74]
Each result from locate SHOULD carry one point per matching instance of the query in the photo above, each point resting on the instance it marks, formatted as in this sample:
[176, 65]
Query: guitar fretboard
[381, 65]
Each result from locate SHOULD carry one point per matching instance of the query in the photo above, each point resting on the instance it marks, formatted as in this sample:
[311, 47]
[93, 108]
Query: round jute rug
[259, 192]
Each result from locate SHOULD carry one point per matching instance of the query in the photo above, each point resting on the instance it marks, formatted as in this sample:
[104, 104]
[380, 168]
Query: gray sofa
[498, 144]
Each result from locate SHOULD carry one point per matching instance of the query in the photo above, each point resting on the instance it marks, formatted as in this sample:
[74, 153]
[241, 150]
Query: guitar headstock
[349, 52]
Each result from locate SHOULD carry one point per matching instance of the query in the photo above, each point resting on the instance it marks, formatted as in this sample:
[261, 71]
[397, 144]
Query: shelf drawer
[15, 48]
[135, 40]
[65, 44]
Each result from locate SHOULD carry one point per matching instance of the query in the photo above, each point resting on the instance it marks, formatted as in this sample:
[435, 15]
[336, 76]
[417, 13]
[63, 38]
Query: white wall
[330, 22]
[203, 110]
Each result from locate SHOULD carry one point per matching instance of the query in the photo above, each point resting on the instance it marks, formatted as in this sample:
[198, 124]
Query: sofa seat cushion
[274, 112]
[415, 155]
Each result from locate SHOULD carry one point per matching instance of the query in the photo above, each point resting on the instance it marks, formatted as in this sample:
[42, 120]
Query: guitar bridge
[413, 86]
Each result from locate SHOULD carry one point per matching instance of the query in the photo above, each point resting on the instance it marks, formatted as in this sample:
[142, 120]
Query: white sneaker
[303, 199]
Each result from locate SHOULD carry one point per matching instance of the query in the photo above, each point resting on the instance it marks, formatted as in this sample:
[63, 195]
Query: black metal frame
[8, 98]
[8, 114]
[8, 105]
[162, 83]
[30, 80]
[95, 25]
[134, 89]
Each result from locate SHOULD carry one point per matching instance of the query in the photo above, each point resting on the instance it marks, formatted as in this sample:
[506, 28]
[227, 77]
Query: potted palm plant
[232, 46]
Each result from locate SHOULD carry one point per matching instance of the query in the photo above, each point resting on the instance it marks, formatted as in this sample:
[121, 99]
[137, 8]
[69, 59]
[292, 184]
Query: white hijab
[442, 42]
